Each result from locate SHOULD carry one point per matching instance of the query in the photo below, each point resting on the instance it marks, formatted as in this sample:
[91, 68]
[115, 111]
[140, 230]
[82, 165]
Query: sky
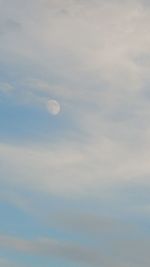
[74, 133]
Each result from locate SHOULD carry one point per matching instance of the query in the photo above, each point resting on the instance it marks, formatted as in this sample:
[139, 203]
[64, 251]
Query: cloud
[73, 168]
[88, 224]
[52, 248]
[10, 26]
[118, 36]
[92, 55]
[8, 263]
[6, 87]
[96, 49]
[119, 253]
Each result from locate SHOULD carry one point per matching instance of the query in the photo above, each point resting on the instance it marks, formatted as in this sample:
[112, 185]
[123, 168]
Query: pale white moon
[53, 107]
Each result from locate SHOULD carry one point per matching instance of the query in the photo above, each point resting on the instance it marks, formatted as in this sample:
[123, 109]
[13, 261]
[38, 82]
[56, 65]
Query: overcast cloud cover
[74, 187]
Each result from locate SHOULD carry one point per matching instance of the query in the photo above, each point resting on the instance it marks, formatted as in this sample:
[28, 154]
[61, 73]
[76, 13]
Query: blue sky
[74, 186]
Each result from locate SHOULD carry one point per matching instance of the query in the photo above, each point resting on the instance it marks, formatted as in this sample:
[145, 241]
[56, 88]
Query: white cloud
[74, 168]
[100, 39]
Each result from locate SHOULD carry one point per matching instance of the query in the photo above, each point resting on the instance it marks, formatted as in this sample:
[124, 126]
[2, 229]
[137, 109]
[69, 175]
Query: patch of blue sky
[30, 123]
[29, 225]
[17, 222]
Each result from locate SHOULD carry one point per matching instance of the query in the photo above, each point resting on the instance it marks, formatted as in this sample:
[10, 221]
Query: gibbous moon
[53, 107]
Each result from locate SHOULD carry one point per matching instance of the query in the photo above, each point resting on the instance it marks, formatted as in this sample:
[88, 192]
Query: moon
[53, 107]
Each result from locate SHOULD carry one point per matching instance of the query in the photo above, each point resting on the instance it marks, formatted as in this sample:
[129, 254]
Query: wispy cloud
[52, 248]
[6, 88]
[125, 253]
